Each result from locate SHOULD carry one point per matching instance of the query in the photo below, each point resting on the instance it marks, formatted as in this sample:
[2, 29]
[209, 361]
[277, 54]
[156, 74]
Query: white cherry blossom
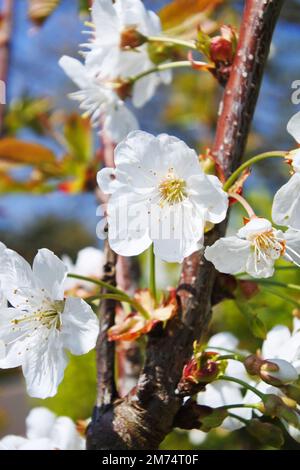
[222, 392]
[286, 205]
[159, 193]
[89, 263]
[45, 431]
[99, 101]
[284, 345]
[254, 249]
[41, 324]
[107, 59]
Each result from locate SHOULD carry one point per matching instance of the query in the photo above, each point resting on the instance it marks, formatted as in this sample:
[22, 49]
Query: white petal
[12, 442]
[223, 340]
[102, 61]
[17, 280]
[255, 226]
[293, 126]
[50, 273]
[237, 369]
[134, 13]
[286, 204]
[178, 233]
[106, 180]
[286, 373]
[39, 423]
[208, 194]
[222, 393]
[296, 160]
[80, 326]
[90, 262]
[15, 338]
[133, 149]
[38, 444]
[292, 238]
[197, 437]
[275, 342]
[229, 255]
[128, 224]
[75, 70]
[119, 122]
[44, 366]
[261, 267]
[176, 154]
[65, 436]
[106, 21]
[144, 89]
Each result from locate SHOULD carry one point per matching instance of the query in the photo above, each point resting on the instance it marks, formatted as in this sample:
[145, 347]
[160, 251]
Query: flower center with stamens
[172, 190]
[266, 244]
[47, 316]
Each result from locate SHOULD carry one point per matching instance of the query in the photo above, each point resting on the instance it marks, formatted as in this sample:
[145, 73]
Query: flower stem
[153, 273]
[98, 282]
[233, 356]
[240, 405]
[267, 282]
[161, 68]
[243, 420]
[114, 294]
[175, 41]
[231, 351]
[244, 203]
[250, 162]
[136, 305]
[243, 384]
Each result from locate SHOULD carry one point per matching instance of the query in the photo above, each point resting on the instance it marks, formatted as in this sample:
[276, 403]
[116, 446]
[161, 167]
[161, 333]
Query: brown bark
[142, 419]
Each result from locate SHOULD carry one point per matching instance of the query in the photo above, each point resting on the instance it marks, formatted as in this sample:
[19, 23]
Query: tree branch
[142, 419]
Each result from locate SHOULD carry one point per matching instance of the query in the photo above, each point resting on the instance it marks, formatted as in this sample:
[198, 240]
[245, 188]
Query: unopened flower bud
[278, 372]
[253, 364]
[131, 38]
[222, 48]
[199, 371]
[275, 407]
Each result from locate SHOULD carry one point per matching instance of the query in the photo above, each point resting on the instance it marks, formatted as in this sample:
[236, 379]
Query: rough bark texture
[143, 418]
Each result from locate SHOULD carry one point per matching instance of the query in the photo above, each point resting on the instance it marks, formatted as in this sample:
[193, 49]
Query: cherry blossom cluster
[46, 431]
[236, 387]
[116, 52]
